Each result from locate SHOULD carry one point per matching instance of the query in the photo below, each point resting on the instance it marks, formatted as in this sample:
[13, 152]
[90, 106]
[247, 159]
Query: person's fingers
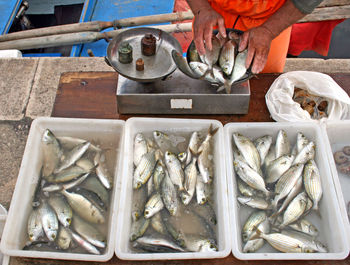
[208, 34]
[260, 60]
[250, 56]
[198, 40]
[243, 41]
[221, 27]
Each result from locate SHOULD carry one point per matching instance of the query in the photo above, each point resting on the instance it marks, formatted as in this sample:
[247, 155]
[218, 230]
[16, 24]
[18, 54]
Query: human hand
[203, 25]
[258, 41]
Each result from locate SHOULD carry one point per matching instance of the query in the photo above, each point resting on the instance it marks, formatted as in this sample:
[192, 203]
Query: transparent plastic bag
[282, 107]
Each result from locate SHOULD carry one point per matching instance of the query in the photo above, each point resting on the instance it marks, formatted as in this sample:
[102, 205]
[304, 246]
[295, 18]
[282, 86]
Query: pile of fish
[342, 159]
[282, 185]
[172, 193]
[71, 200]
[222, 65]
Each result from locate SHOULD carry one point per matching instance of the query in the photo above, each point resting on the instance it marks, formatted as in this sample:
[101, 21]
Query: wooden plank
[327, 13]
[325, 3]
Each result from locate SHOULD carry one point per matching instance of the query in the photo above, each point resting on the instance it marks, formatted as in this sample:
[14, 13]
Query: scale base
[180, 94]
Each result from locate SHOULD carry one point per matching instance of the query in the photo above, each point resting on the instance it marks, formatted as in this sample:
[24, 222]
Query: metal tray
[157, 67]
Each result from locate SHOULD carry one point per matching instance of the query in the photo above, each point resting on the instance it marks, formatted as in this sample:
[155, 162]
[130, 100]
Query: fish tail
[258, 234]
[221, 88]
[317, 210]
[212, 131]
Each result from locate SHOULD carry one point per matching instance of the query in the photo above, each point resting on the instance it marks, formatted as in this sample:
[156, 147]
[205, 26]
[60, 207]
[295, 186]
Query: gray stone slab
[16, 79]
[318, 65]
[13, 138]
[47, 79]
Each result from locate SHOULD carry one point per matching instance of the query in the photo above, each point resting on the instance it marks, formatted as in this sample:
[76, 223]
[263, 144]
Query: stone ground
[28, 89]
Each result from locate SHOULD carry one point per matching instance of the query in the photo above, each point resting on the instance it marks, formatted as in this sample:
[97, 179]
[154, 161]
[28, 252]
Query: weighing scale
[161, 88]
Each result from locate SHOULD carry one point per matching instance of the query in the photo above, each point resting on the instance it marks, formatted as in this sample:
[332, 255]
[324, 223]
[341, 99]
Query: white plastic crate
[337, 135]
[172, 126]
[331, 228]
[107, 132]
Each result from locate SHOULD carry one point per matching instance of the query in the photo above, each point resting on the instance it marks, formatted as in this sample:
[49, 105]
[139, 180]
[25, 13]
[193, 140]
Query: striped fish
[144, 169]
[312, 183]
[294, 210]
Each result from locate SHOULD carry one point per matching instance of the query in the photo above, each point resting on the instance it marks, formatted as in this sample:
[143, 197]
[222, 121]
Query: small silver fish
[64, 239]
[158, 175]
[310, 242]
[257, 203]
[169, 195]
[305, 227]
[199, 68]
[307, 153]
[144, 169]
[294, 210]
[211, 56]
[218, 75]
[49, 221]
[277, 167]
[73, 156]
[157, 243]
[252, 223]
[255, 244]
[263, 144]
[84, 207]
[89, 232]
[245, 189]
[153, 205]
[63, 210]
[69, 143]
[202, 190]
[157, 224]
[190, 181]
[193, 145]
[67, 174]
[85, 164]
[302, 141]
[175, 170]
[102, 171]
[269, 158]
[140, 148]
[227, 57]
[197, 243]
[282, 146]
[84, 244]
[93, 184]
[35, 227]
[52, 153]
[139, 199]
[139, 227]
[312, 183]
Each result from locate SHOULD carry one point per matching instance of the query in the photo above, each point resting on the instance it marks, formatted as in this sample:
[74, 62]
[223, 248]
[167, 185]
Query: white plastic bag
[282, 107]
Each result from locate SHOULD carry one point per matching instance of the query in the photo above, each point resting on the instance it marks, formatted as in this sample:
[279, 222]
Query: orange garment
[253, 13]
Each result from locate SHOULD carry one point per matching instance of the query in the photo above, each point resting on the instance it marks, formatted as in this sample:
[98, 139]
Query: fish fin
[257, 235]
[227, 86]
[195, 153]
[221, 88]
[317, 210]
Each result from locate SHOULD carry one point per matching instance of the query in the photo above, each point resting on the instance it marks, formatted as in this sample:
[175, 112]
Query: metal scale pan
[156, 67]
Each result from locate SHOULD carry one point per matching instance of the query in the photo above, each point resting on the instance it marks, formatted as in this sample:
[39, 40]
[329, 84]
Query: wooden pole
[97, 25]
[81, 37]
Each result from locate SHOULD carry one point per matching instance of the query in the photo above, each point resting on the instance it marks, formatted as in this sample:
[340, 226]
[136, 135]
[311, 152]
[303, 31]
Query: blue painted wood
[108, 10]
[8, 11]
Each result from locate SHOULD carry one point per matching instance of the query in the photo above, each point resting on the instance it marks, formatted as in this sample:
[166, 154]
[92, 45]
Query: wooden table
[93, 95]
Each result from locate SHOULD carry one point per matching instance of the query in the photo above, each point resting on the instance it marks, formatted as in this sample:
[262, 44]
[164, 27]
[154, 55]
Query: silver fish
[67, 174]
[291, 195]
[305, 227]
[245, 189]
[202, 190]
[211, 56]
[66, 185]
[227, 57]
[85, 164]
[49, 221]
[138, 228]
[237, 154]
[63, 210]
[35, 227]
[256, 202]
[193, 145]
[250, 176]
[157, 224]
[197, 243]
[157, 244]
[193, 53]
[284, 243]
[206, 211]
[190, 181]
[84, 244]
[139, 199]
[158, 175]
[271, 155]
[84, 207]
[248, 150]
[252, 223]
[218, 75]
[64, 239]
[307, 153]
[239, 70]
[294, 210]
[153, 205]
[93, 184]
[169, 195]
[205, 158]
[175, 170]
[255, 244]
[199, 68]
[69, 143]
[102, 171]
[312, 183]
[167, 142]
[282, 146]
[72, 156]
[302, 141]
[310, 242]
[263, 144]
[89, 232]
[150, 186]
[182, 64]
[286, 183]
[277, 167]
[140, 148]
[52, 153]
[144, 170]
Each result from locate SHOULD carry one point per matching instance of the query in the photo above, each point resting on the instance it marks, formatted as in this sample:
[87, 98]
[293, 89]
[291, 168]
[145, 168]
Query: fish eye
[146, 212]
[53, 236]
[31, 235]
[157, 133]
[68, 220]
